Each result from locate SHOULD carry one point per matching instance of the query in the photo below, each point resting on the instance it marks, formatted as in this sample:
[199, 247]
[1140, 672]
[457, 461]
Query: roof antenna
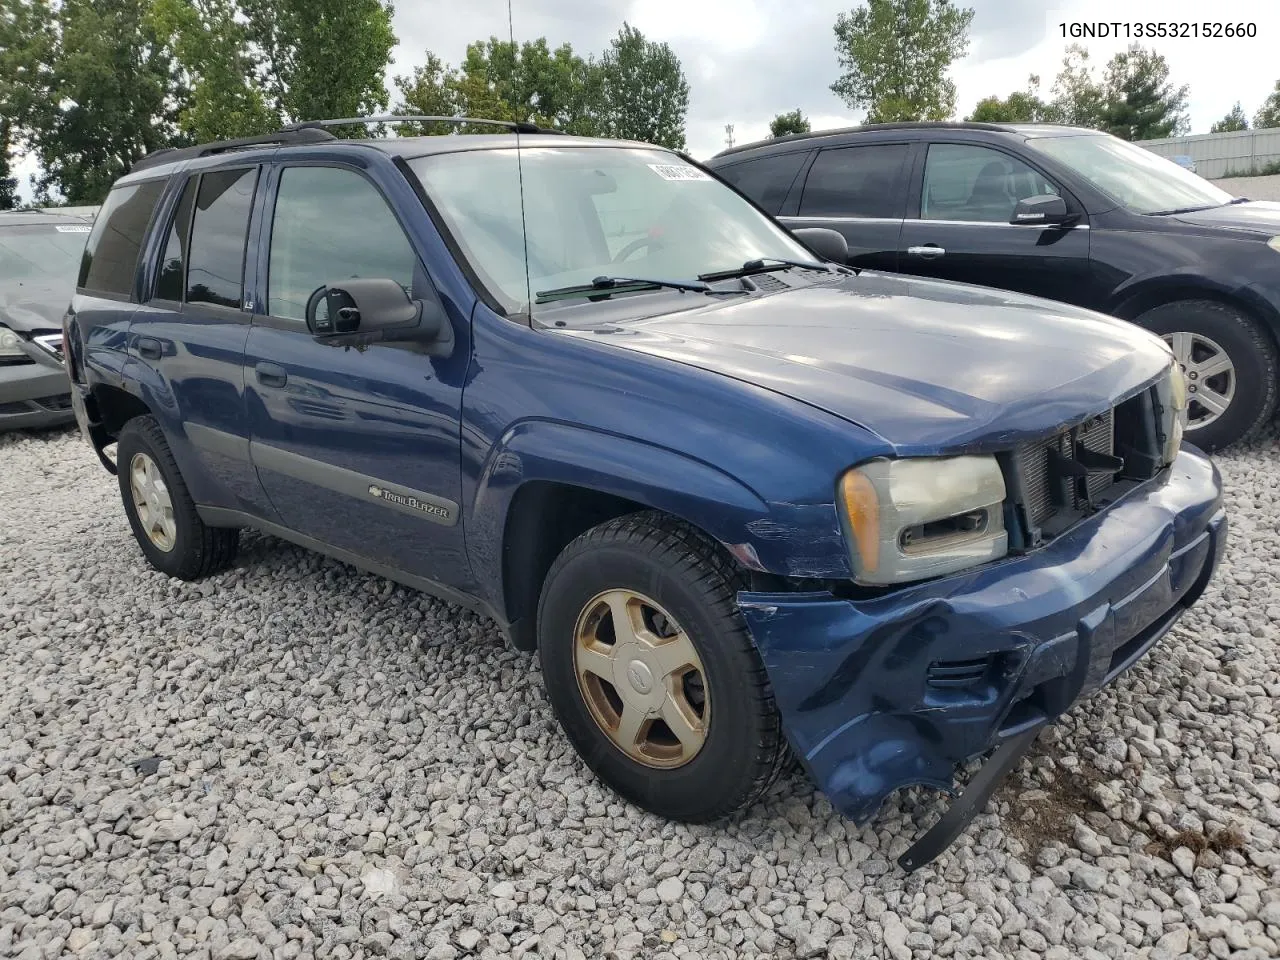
[524, 224]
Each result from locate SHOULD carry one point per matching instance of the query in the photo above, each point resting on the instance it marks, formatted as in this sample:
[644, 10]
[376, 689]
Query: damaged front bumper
[880, 694]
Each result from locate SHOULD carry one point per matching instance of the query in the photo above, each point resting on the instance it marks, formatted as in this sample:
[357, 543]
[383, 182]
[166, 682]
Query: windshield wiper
[764, 265]
[1175, 212]
[608, 285]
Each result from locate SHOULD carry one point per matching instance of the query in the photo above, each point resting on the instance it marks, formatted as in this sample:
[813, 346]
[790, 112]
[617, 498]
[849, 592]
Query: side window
[977, 184]
[110, 260]
[855, 182]
[767, 180]
[171, 281]
[215, 260]
[331, 224]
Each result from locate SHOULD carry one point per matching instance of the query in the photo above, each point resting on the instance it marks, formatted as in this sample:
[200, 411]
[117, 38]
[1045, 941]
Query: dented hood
[925, 365]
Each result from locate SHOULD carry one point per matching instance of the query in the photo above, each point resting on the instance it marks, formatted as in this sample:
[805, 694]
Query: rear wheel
[1229, 365]
[161, 512]
[651, 672]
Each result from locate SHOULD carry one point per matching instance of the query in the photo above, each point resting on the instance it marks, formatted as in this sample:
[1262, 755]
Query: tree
[1140, 102]
[101, 91]
[895, 55]
[1268, 114]
[1021, 106]
[211, 45]
[8, 184]
[785, 123]
[643, 91]
[430, 92]
[1234, 120]
[1078, 98]
[321, 59]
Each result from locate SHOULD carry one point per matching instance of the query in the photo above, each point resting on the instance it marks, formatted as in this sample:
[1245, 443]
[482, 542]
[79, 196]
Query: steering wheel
[639, 243]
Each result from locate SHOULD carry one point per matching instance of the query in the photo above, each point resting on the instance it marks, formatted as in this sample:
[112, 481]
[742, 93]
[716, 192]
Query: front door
[358, 448]
[966, 195]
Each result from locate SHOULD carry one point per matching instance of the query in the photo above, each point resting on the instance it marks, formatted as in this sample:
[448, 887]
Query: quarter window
[215, 265]
[963, 182]
[855, 182]
[110, 260]
[172, 278]
[768, 180]
[331, 225]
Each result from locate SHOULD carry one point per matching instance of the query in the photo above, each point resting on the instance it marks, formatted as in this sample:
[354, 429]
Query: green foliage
[787, 123]
[8, 184]
[643, 91]
[100, 90]
[1021, 106]
[1234, 120]
[1140, 102]
[212, 47]
[895, 54]
[1268, 114]
[1078, 98]
[637, 90]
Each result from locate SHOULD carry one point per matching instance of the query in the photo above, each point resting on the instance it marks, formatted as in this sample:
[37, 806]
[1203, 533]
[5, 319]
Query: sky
[749, 60]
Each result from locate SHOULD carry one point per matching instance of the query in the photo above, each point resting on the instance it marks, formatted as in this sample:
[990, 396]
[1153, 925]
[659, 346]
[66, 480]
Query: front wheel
[651, 672]
[1229, 365]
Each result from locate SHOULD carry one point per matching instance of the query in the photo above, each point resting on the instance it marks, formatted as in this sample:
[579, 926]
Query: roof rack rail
[286, 136]
[517, 126]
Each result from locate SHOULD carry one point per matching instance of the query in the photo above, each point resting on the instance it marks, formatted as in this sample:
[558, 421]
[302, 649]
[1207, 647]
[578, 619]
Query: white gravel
[293, 758]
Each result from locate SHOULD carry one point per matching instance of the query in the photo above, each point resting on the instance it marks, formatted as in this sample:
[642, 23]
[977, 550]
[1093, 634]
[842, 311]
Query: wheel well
[117, 407]
[543, 518]
[1140, 303]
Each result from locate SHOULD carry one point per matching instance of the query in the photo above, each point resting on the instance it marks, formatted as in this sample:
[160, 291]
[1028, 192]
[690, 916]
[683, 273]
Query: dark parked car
[39, 255]
[729, 493]
[1058, 212]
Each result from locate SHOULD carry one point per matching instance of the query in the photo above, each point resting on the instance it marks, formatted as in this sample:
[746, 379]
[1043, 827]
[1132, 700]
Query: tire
[184, 546]
[680, 571]
[1251, 352]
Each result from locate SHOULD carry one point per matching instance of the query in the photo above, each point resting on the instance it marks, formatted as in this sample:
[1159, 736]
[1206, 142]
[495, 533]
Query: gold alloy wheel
[152, 502]
[642, 679]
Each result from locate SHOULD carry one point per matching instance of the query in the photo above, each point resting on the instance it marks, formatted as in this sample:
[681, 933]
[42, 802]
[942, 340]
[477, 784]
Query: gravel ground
[293, 758]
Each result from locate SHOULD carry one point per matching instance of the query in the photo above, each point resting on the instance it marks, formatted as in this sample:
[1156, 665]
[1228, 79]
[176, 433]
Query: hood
[928, 366]
[29, 305]
[1256, 216]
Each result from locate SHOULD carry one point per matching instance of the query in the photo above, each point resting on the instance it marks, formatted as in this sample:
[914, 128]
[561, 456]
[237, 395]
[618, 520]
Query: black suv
[1058, 212]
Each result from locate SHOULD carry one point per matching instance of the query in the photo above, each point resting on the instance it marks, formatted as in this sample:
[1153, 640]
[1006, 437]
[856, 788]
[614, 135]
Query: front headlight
[1172, 392]
[918, 518]
[10, 344]
[1274, 244]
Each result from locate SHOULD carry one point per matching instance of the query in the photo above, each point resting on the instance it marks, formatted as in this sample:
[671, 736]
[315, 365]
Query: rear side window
[173, 266]
[767, 180]
[110, 259]
[215, 258]
[856, 182]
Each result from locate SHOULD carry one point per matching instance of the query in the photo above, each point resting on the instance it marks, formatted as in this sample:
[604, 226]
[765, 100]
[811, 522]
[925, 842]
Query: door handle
[930, 251]
[271, 374]
[150, 348]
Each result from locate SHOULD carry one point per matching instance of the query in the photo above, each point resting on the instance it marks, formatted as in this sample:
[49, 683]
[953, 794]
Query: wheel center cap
[639, 676]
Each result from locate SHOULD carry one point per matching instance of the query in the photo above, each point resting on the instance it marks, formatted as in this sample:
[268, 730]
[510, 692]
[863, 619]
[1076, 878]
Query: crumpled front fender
[884, 693]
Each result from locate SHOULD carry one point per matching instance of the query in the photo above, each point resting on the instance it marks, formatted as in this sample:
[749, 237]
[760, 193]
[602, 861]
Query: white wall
[1216, 154]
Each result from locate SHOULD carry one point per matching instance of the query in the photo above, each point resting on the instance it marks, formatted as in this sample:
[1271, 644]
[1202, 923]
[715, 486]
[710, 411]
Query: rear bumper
[33, 395]
[881, 694]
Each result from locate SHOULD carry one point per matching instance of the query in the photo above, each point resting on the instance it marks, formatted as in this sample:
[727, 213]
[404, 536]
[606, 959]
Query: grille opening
[950, 674]
[936, 533]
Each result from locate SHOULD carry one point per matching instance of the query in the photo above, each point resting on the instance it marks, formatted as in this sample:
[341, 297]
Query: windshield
[43, 252]
[593, 212]
[1133, 177]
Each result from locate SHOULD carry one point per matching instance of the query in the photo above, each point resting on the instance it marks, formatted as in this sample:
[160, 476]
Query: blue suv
[738, 498]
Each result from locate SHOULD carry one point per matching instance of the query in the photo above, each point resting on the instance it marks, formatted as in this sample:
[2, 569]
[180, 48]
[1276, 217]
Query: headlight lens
[1274, 244]
[918, 518]
[1173, 396]
[10, 344]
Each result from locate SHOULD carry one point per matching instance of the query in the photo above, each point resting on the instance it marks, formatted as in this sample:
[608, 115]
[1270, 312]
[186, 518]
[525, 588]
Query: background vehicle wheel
[651, 672]
[161, 512]
[1229, 363]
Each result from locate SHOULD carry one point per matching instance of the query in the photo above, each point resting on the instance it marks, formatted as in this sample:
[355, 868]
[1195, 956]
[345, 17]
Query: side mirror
[828, 244]
[1043, 211]
[371, 310]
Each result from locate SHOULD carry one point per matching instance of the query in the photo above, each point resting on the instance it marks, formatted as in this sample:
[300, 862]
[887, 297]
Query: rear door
[962, 199]
[190, 332]
[358, 448]
[859, 191]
